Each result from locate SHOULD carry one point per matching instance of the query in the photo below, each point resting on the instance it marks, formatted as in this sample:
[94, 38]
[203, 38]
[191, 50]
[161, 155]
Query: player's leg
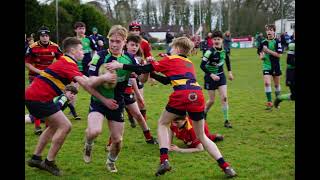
[163, 138]
[225, 105]
[135, 111]
[276, 80]
[116, 134]
[94, 129]
[268, 91]
[210, 101]
[210, 85]
[143, 109]
[130, 118]
[37, 126]
[61, 128]
[211, 147]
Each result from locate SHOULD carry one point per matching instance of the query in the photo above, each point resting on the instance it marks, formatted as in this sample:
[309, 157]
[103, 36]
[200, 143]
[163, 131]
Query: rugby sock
[89, 142]
[144, 114]
[72, 110]
[268, 93]
[163, 154]
[225, 110]
[35, 157]
[112, 159]
[285, 97]
[222, 163]
[147, 134]
[278, 90]
[37, 122]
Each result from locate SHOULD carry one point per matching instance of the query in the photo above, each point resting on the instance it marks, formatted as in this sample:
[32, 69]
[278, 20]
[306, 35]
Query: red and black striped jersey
[41, 56]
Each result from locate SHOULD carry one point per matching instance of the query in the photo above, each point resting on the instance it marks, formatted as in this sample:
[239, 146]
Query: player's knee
[68, 127]
[267, 84]
[95, 131]
[211, 101]
[116, 139]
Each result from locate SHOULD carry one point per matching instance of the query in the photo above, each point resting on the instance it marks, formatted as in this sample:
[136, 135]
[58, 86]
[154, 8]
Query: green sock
[225, 110]
[269, 98]
[277, 93]
[284, 97]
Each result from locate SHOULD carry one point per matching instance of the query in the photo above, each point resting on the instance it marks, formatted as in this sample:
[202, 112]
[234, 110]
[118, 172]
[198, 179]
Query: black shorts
[290, 77]
[140, 84]
[274, 71]
[210, 84]
[195, 116]
[114, 115]
[129, 99]
[41, 110]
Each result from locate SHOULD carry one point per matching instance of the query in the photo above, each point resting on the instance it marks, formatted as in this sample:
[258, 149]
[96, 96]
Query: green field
[260, 146]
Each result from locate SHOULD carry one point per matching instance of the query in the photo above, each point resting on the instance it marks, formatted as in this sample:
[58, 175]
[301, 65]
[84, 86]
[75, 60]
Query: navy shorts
[274, 71]
[114, 115]
[41, 110]
[210, 84]
[129, 99]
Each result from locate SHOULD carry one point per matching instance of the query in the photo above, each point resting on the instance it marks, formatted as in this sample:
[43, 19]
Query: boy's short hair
[69, 42]
[71, 88]
[217, 34]
[270, 26]
[79, 24]
[133, 38]
[118, 29]
[184, 44]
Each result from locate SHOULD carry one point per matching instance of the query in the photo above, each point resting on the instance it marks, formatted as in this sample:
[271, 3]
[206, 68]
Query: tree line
[69, 11]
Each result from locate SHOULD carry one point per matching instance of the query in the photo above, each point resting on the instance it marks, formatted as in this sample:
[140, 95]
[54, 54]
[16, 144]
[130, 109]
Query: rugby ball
[103, 70]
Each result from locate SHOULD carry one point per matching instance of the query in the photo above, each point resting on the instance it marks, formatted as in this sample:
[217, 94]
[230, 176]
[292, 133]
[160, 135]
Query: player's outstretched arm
[135, 68]
[110, 103]
[162, 79]
[95, 81]
[199, 148]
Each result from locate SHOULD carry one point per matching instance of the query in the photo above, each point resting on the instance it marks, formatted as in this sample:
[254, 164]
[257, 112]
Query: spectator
[101, 41]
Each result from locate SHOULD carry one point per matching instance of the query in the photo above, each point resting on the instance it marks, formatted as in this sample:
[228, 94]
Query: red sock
[224, 165]
[37, 122]
[147, 134]
[163, 157]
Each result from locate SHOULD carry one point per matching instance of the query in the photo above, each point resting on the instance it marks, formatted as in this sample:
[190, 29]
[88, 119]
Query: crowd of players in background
[85, 55]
